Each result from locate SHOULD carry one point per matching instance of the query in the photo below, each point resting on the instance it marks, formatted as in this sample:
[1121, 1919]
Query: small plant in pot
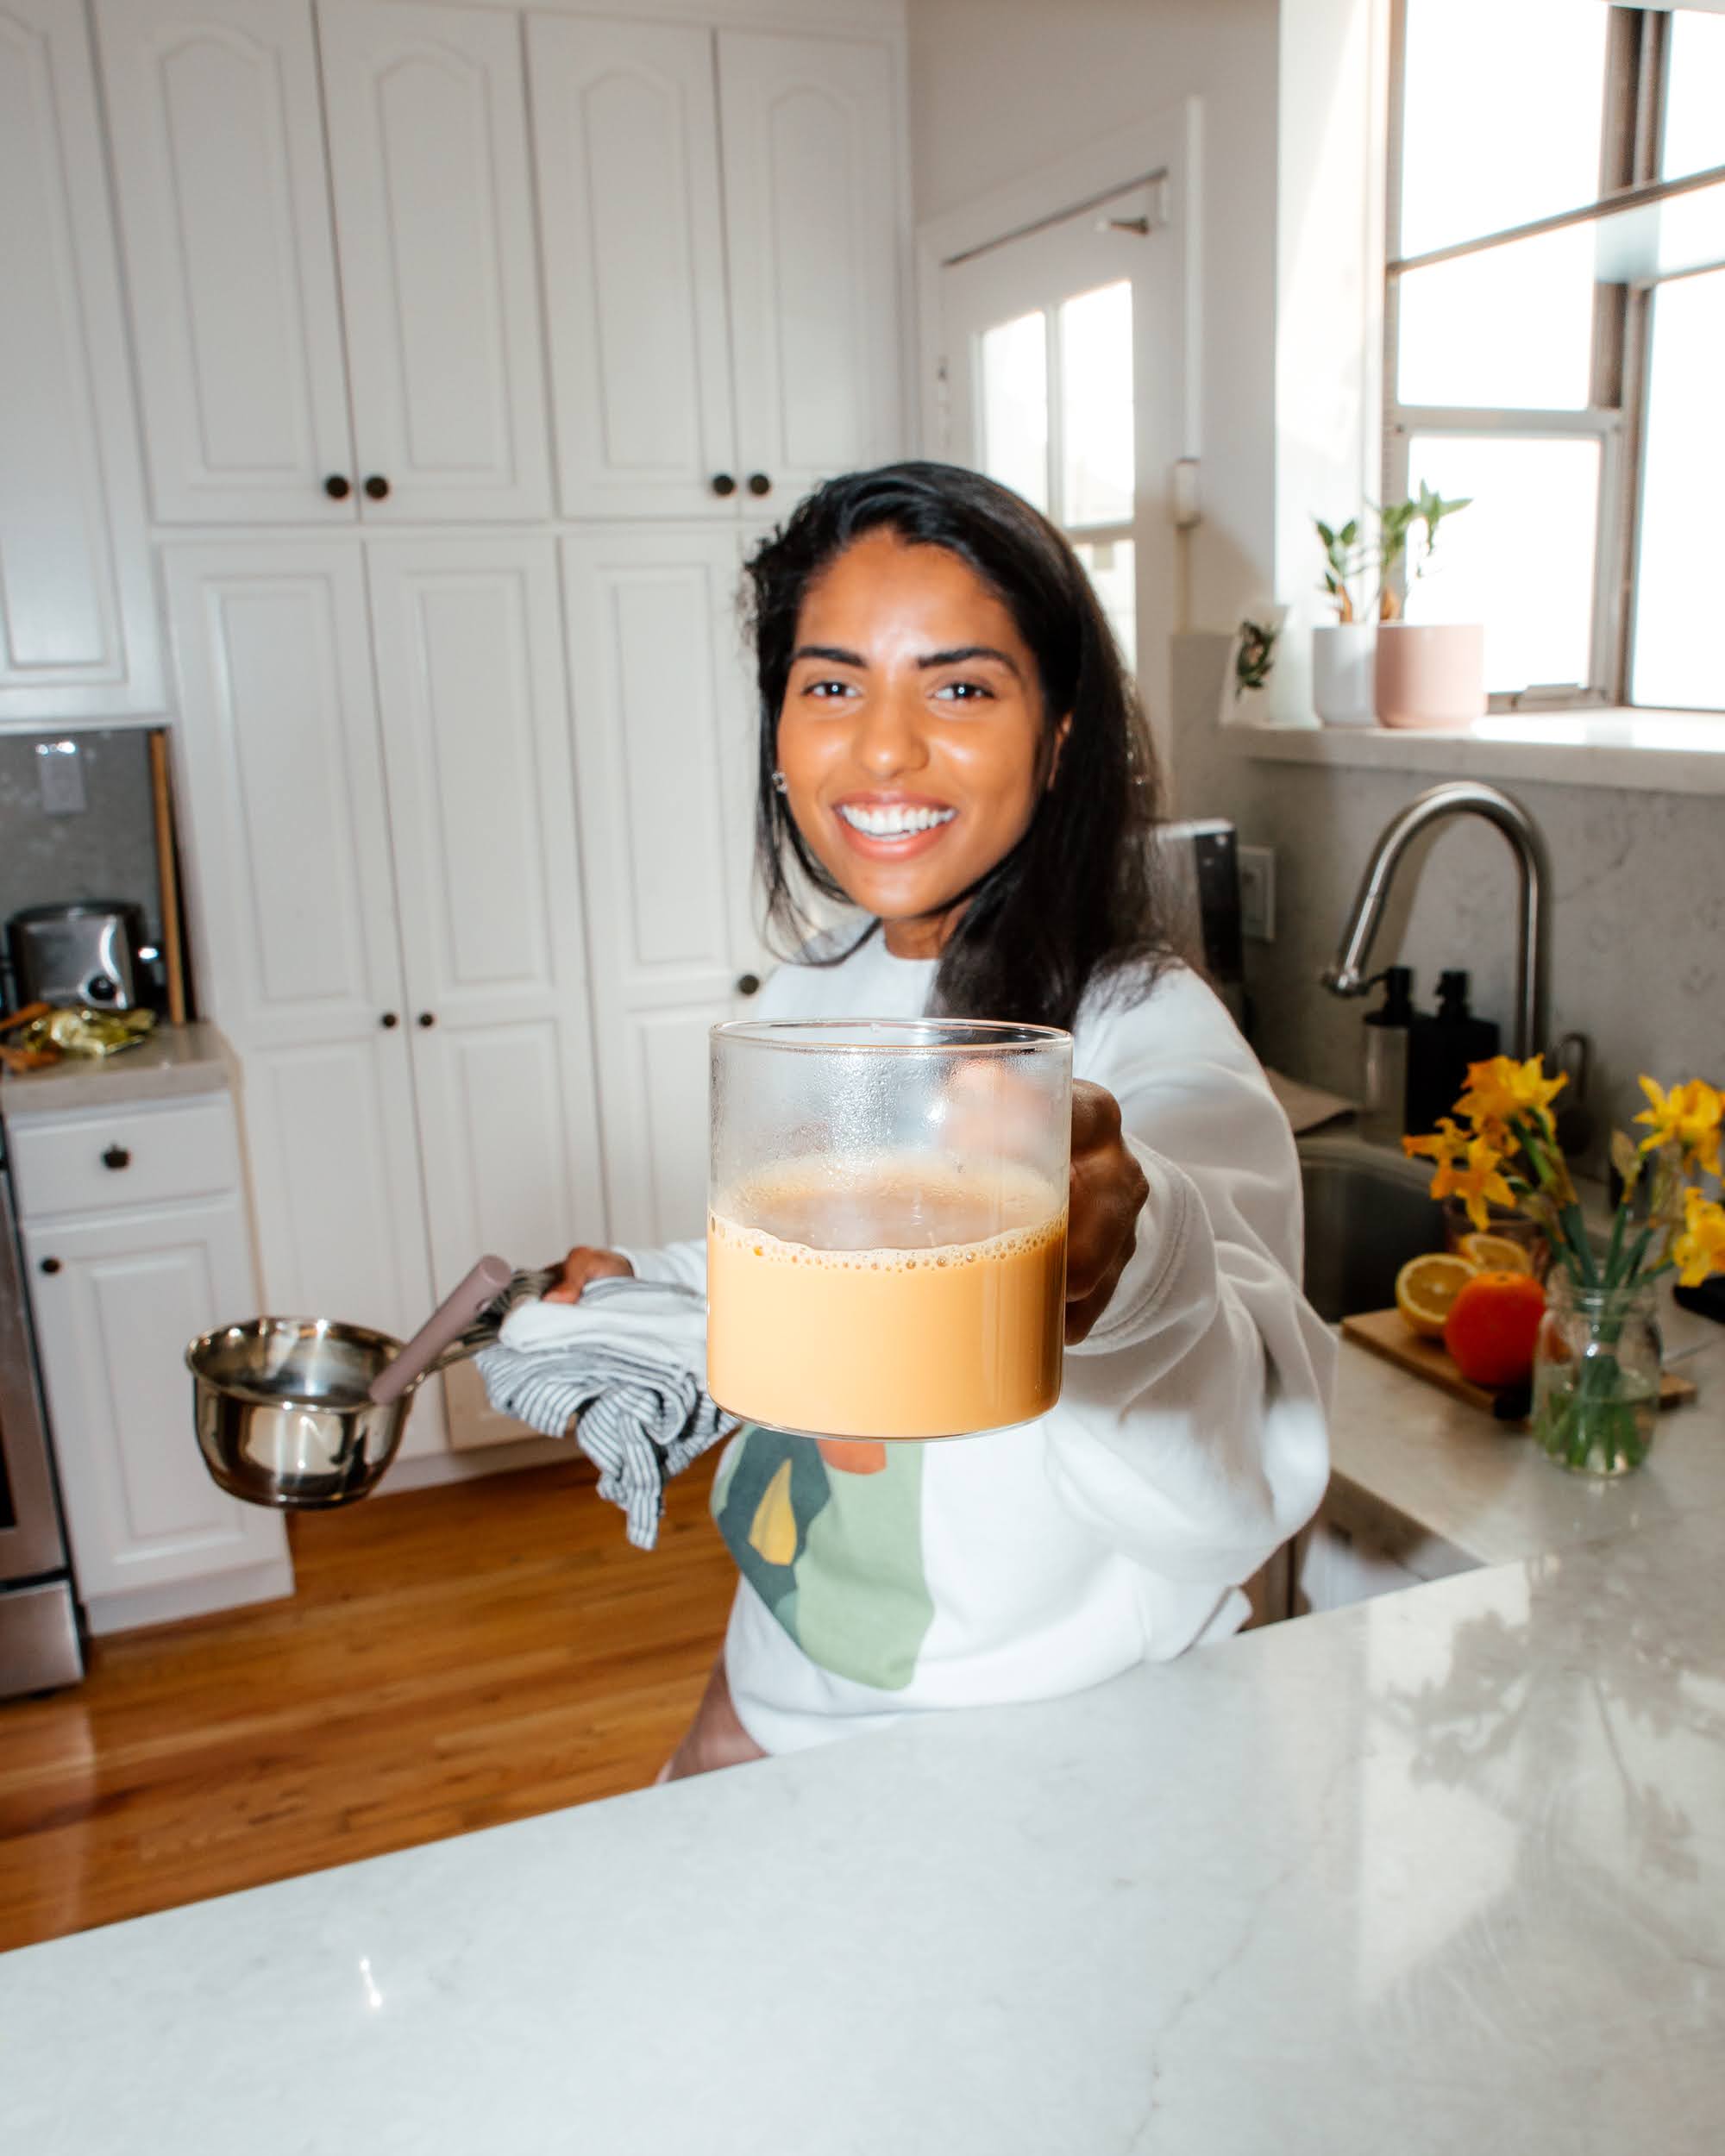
[1428, 673]
[1342, 651]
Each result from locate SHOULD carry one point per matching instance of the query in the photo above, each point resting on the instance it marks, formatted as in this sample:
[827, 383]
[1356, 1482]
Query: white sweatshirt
[1189, 1443]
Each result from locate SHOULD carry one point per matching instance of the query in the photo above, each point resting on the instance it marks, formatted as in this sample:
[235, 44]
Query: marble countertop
[174, 1062]
[1443, 1871]
[1440, 1486]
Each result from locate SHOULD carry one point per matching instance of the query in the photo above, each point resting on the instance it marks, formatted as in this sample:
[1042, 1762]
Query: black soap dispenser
[1439, 1050]
[1384, 1068]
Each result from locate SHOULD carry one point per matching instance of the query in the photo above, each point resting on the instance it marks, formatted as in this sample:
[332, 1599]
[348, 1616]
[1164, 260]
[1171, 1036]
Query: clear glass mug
[887, 1225]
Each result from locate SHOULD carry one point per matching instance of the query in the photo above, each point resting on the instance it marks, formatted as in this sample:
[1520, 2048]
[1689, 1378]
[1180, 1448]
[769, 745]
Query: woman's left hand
[1108, 1192]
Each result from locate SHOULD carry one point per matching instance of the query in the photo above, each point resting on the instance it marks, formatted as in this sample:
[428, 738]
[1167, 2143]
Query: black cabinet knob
[748, 984]
[427, 1017]
[50, 1264]
[377, 486]
[723, 484]
[337, 487]
[116, 1156]
[389, 1019]
[759, 483]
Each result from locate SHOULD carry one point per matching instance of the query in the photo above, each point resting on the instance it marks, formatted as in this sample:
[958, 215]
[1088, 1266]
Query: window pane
[1514, 326]
[1679, 655]
[1015, 407]
[1096, 406]
[1695, 96]
[1112, 564]
[1521, 558]
[1503, 105]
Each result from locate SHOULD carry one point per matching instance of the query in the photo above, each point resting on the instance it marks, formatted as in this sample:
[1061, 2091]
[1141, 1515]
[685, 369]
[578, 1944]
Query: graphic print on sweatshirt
[829, 1533]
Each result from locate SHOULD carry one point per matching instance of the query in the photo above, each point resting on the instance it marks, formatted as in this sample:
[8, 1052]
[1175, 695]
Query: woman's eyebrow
[830, 654]
[960, 652]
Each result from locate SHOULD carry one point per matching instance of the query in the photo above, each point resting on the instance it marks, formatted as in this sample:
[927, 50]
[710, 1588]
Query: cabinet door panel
[217, 133]
[77, 631]
[809, 128]
[113, 1323]
[434, 216]
[475, 717]
[294, 913]
[626, 146]
[662, 731]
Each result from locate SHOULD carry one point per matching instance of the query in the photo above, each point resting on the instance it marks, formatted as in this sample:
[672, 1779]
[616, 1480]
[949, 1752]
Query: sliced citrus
[1426, 1289]
[1495, 1253]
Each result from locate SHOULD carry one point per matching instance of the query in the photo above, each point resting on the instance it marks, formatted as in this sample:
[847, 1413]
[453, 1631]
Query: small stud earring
[779, 783]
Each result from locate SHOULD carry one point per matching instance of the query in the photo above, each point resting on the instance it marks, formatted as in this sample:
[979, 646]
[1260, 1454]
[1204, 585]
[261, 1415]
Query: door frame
[1167, 147]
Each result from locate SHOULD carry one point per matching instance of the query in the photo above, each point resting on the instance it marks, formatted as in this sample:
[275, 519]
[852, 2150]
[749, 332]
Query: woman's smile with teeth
[897, 821]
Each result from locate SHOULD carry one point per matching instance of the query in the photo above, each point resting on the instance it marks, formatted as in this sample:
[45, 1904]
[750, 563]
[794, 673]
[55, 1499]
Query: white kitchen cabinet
[427, 134]
[475, 725]
[216, 122]
[809, 129]
[255, 148]
[117, 1291]
[280, 771]
[626, 148]
[78, 625]
[664, 742]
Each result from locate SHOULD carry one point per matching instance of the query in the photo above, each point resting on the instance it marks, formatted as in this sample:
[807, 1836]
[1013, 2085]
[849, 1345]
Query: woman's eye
[827, 689]
[964, 691]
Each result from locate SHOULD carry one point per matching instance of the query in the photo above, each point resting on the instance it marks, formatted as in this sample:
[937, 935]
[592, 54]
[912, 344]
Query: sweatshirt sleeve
[1191, 1428]
[675, 1264]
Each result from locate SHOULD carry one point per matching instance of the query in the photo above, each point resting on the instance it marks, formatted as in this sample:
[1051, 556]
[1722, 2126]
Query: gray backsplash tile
[106, 851]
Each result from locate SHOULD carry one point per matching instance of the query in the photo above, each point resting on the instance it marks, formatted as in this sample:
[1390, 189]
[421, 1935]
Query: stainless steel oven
[39, 1640]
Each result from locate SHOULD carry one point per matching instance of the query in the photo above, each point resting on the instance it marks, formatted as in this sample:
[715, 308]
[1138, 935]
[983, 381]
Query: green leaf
[1324, 531]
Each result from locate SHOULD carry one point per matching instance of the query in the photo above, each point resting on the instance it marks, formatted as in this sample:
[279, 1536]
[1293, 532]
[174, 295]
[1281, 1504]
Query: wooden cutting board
[1385, 1333]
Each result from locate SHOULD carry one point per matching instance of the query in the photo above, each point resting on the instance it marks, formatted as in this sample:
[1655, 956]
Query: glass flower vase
[1596, 1376]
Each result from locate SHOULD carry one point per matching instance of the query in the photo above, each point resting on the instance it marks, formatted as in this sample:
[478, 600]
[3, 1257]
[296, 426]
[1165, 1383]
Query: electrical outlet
[1258, 893]
[59, 773]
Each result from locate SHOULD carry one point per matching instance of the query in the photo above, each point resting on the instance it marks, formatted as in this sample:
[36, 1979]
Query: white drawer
[123, 1156]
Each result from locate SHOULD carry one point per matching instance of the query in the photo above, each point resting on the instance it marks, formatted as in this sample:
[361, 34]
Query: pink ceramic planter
[1430, 674]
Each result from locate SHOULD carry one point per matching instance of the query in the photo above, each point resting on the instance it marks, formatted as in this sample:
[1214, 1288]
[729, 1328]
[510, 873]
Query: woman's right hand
[583, 1264]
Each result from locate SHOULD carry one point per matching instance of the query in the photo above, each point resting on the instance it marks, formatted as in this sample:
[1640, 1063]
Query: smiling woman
[949, 741]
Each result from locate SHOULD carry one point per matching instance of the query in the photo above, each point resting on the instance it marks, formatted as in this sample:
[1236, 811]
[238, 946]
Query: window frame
[1616, 414]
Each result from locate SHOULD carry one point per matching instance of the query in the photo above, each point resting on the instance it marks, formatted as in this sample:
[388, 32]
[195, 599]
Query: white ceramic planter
[1431, 674]
[1342, 666]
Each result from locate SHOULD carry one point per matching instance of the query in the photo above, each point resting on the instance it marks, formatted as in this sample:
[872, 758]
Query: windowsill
[1655, 752]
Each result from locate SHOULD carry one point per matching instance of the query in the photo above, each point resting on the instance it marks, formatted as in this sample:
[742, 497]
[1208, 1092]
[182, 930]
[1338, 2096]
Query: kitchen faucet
[1466, 797]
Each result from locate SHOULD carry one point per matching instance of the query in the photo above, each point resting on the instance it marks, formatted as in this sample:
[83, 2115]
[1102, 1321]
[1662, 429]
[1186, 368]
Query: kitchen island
[1442, 1871]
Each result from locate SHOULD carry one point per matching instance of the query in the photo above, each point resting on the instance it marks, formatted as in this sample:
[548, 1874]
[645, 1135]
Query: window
[1554, 319]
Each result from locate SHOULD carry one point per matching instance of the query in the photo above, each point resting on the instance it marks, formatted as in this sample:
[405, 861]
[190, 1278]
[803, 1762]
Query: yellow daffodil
[1700, 1249]
[1686, 1117]
[1502, 1088]
[1479, 1185]
[1447, 1142]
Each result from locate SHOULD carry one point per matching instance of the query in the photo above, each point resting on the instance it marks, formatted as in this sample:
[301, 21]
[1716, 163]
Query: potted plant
[1342, 651]
[1428, 674]
[1596, 1358]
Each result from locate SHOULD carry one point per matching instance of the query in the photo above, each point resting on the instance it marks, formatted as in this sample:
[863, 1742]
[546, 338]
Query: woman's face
[912, 736]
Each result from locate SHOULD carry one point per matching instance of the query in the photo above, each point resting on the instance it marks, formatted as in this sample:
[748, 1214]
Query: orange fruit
[1492, 1326]
[1495, 1253]
[1426, 1287]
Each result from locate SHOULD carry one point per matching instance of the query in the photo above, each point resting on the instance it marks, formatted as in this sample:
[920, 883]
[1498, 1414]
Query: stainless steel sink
[1366, 1214]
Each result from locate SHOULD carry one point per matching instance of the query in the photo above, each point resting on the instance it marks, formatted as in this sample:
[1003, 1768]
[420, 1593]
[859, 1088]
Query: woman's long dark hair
[1073, 907]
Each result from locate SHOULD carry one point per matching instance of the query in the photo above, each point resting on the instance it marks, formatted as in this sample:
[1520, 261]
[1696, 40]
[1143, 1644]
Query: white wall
[1000, 88]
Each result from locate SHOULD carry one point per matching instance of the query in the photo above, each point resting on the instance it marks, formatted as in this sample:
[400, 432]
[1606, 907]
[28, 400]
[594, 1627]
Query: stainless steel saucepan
[305, 1413]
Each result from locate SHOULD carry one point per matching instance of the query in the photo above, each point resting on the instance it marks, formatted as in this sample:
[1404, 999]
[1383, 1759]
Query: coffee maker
[93, 953]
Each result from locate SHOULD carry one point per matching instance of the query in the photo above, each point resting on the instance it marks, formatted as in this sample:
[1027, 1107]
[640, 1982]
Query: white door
[1062, 357]
[125, 1294]
[217, 139]
[663, 748]
[476, 738]
[78, 627]
[294, 922]
[626, 148]
[811, 200]
[434, 218]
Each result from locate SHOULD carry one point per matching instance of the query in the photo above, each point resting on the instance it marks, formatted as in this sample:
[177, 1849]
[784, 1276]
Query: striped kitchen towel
[623, 1371]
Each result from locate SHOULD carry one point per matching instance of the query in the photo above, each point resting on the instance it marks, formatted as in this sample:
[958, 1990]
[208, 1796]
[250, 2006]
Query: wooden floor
[453, 1658]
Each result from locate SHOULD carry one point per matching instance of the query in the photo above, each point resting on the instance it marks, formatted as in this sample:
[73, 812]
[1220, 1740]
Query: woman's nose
[890, 739]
